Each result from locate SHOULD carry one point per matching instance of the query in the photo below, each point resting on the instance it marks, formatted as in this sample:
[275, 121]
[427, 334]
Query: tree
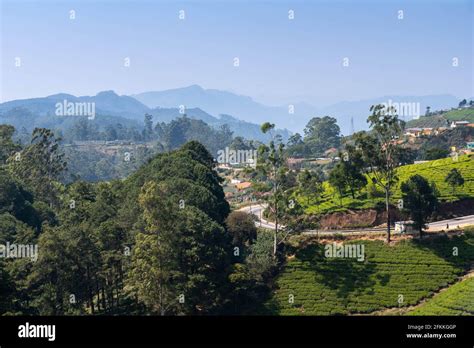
[40, 164]
[251, 279]
[61, 279]
[7, 290]
[238, 143]
[111, 133]
[180, 262]
[14, 199]
[296, 146]
[184, 129]
[260, 262]
[435, 153]
[427, 113]
[295, 139]
[148, 130]
[322, 134]
[419, 200]
[353, 167]
[338, 180]
[381, 150]
[272, 166]
[454, 179]
[7, 146]
[310, 184]
[462, 103]
[242, 228]
[348, 173]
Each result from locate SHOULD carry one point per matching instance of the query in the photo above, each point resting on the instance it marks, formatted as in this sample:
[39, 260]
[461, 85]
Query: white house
[455, 124]
[404, 227]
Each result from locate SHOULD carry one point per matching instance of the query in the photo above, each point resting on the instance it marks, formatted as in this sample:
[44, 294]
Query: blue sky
[281, 60]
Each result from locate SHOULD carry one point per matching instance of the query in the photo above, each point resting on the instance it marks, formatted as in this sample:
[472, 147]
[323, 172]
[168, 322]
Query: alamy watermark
[345, 251]
[19, 251]
[245, 157]
[406, 109]
[67, 108]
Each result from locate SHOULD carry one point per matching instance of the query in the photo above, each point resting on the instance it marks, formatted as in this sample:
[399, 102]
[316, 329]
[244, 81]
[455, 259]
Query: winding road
[257, 210]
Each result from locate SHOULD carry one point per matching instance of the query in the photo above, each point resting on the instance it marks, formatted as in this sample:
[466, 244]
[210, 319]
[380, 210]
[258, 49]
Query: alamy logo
[410, 109]
[19, 251]
[228, 156]
[37, 331]
[345, 251]
[67, 108]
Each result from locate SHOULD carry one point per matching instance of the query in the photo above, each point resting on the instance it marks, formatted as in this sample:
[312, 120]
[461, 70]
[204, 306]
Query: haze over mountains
[215, 107]
[111, 108]
[245, 108]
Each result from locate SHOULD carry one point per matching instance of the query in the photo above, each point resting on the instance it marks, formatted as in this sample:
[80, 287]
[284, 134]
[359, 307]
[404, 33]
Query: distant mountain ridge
[41, 112]
[210, 104]
[106, 103]
[351, 115]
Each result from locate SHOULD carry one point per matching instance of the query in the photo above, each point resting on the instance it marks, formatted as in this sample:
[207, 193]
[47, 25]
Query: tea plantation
[439, 120]
[458, 299]
[434, 171]
[390, 276]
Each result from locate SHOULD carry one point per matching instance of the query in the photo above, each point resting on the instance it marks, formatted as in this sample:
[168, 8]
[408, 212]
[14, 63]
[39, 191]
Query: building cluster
[433, 131]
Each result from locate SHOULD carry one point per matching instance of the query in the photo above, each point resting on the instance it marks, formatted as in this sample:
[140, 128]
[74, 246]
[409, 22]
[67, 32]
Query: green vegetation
[370, 197]
[419, 200]
[434, 121]
[154, 243]
[454, 179]
[331, 286]
[322, 133]
[460, 115]
[441, 120]
[458, 299]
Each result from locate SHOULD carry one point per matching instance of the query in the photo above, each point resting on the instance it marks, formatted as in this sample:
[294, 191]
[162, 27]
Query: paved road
[453, 223]
[257, 210]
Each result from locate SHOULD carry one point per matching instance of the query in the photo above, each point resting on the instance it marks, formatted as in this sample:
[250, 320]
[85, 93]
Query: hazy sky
[281, 60]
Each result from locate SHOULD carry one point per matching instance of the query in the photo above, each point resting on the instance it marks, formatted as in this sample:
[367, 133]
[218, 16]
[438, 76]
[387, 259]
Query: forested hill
[189, 179]
[154, 243]
[111, 110]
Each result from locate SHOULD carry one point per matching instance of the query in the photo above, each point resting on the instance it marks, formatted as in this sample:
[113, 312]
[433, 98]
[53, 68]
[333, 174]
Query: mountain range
[293, 116]
[112, 108]
[215, 107]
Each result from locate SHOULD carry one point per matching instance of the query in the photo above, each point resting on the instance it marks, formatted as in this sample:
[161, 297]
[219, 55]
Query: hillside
[218, 102]
[247, 109]
[458, 299]
[442, 120]
[429, 122]
[435, 171]
[334, 286]
[106, 103]
[460, 115]
[110, 108]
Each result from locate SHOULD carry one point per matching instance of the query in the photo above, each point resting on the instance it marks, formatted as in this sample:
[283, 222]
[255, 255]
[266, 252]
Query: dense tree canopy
[99, 240]
[322, 133]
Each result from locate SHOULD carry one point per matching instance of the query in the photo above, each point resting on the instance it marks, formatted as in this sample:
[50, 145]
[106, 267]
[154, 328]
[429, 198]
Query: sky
[280, 59]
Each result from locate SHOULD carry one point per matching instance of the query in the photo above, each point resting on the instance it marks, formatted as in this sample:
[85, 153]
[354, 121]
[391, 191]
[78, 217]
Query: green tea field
[390, 276]
[458, 299]
[434, 171]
